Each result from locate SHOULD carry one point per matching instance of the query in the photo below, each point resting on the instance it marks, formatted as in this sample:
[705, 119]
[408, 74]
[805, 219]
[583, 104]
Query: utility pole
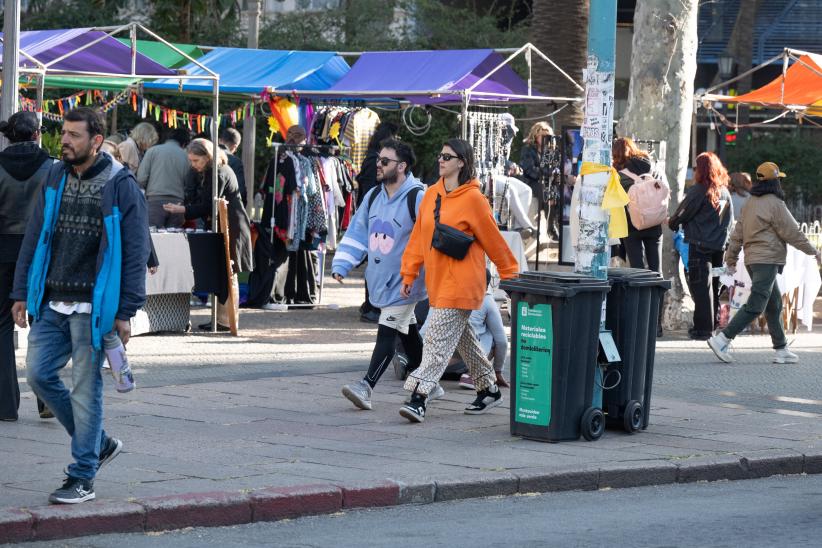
[11, 61]
[592, 252]
[250, 122]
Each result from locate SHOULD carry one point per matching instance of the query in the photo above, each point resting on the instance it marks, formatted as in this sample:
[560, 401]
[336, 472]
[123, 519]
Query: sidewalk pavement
[228, 430]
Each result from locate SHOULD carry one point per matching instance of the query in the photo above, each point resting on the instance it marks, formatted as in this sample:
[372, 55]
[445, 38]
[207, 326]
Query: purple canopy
[445, 71]
[107, 56]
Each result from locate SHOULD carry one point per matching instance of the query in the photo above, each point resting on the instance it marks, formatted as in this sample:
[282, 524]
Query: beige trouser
[223, 310]
[448, 330]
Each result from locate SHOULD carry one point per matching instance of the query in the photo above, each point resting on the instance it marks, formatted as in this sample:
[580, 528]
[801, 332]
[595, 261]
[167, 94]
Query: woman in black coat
[239, 226]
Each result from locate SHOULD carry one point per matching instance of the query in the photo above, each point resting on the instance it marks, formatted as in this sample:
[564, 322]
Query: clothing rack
[321, 247]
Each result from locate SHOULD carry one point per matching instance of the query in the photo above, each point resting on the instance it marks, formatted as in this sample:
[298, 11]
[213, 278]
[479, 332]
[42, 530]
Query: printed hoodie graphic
[381, 232]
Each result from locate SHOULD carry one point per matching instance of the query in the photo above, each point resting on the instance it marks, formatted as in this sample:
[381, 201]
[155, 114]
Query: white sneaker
[783, 355]
[359, 393]
[720, 344]
[435, 394]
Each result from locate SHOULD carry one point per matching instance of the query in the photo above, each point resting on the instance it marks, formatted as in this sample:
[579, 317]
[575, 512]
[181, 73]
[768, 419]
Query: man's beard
[388, 178]
[79, 157]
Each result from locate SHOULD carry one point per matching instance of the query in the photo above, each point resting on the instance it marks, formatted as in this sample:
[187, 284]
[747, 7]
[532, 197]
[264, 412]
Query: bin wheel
[632, 418]
[592, 424]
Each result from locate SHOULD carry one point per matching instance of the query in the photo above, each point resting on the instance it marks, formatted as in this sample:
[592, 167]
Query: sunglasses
[383, 161]
[445, 157]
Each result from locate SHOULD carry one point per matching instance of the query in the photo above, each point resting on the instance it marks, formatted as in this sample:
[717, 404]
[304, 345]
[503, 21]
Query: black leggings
[386, 346]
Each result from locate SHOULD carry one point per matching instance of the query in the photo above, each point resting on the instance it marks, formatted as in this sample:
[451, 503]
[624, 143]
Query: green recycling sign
[535, 349]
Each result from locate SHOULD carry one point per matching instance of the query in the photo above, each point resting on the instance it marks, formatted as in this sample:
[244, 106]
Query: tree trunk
[660, 107]
[560, 30]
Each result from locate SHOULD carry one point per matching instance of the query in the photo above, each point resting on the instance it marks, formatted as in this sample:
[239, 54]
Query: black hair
[230, 136]
[464, 152]
[403, 150]
[384, 131]
[20, 127]
[181, 135]
[95, 123]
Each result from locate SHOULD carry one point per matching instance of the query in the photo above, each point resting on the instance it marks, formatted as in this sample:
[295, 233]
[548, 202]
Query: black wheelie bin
[554, 343]
[632, 315]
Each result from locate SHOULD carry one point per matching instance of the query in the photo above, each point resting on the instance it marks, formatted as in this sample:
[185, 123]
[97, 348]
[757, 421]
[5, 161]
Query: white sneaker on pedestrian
[359, 393]
[435, 394]
[720, 344]
[783, 355]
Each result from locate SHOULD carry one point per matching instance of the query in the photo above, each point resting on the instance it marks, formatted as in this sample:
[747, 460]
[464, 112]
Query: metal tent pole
[215, 192]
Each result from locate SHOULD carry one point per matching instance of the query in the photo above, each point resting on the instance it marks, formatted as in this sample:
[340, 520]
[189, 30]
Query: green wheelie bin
[554, 343]
[632, 314]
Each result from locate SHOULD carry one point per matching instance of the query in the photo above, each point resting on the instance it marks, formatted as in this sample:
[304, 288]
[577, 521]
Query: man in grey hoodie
[380, 230]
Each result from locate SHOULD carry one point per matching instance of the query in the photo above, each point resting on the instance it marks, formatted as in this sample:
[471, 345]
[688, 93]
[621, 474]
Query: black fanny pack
[449, 240]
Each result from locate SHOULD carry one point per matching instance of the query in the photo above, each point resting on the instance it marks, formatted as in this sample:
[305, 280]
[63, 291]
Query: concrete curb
[272, 504]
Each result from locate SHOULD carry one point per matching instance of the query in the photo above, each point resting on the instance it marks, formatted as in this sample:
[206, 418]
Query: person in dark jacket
[536, 173]
[239, 226]
[81, 274]
[230, 140]
[706, 214]
[23, 170]
[366, 180]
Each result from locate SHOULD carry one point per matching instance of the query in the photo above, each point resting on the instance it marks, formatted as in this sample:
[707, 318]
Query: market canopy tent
[431, 76]
[442, 76]
[166, 55]
[797, 89]
[251, 71]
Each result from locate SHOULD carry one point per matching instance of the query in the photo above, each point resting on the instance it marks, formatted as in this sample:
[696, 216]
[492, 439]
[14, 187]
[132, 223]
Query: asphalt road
[780, 511]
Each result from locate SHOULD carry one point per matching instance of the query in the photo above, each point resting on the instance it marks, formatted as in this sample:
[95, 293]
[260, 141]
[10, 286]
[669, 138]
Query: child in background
[487, 325]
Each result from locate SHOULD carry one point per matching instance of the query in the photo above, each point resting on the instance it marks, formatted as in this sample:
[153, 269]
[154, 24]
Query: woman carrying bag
[706, 214]
[454, 231]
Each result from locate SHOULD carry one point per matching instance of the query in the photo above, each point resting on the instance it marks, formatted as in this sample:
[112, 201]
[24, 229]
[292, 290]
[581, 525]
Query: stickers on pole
[535, 351]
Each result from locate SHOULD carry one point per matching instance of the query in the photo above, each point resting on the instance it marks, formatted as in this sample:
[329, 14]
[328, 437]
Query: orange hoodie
[453, 283]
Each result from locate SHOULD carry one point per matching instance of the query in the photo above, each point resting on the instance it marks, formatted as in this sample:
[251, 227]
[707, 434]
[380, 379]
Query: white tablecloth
[175, 274]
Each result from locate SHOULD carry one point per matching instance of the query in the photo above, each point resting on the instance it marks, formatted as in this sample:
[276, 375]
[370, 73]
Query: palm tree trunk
[560, 30]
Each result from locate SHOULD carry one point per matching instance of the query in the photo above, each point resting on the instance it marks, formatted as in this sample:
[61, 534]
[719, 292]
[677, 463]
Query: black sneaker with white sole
[486, 399]
[111, 448]
[414, 409]
[73, 491]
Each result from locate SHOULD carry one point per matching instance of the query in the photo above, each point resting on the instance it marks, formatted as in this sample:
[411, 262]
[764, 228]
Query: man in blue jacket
[81, 274]
[380, 229]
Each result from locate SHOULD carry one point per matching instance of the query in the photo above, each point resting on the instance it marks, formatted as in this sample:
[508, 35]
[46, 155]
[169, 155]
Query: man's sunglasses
[385, 161]
[445, 157]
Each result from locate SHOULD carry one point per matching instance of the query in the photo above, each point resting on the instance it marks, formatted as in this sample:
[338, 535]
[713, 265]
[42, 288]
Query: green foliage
[795, 152]
[69, 14]
[51, 142]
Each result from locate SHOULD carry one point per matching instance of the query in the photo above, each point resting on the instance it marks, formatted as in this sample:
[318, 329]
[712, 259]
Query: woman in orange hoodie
[455, 286]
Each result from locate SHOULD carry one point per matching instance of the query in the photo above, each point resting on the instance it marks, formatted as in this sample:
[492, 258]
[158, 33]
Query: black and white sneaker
[110, 450]
[73, 491]
[414, 409]
[486, 399]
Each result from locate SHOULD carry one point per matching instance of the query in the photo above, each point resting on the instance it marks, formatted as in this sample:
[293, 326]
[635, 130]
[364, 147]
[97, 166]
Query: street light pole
[592, 251]
[11, 60]
[250, 121]
[726, 70]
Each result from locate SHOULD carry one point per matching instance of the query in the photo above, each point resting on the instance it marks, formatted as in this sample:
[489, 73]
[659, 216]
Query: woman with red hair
[706, 214]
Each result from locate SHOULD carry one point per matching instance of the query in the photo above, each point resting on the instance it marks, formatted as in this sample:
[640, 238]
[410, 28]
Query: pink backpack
[649, 200]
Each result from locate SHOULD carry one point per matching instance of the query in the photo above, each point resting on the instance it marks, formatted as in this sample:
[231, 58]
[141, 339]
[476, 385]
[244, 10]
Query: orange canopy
[802, 87]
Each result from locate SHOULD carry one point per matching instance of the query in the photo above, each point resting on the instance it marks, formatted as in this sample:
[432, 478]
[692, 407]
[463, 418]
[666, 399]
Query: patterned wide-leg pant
[448, 329]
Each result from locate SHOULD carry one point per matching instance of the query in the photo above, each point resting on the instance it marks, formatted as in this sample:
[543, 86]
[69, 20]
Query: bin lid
[561, 278]
[535, 287]
[637, 277]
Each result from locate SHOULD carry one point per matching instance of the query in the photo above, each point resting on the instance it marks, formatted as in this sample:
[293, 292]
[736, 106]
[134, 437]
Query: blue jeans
[53, 339]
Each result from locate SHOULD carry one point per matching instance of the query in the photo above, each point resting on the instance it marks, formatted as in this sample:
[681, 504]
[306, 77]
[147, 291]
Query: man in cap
[763, 229]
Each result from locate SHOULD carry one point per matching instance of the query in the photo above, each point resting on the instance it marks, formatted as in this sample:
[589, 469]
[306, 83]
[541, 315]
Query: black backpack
[410, 199]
